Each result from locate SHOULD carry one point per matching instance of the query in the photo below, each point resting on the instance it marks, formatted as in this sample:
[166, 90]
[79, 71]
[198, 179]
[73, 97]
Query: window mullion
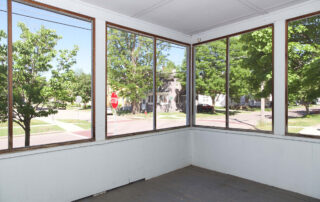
[154, 83]
[10, 95]
[227, 82]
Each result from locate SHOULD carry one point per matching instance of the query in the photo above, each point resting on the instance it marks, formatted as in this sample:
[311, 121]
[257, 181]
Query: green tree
[130, 65]
[238, 74]
[210, 62]
[63, 79]
[33, 55]
[83, 87]
[257, 47]
[3, 78]
[303, 61]
[251, 54]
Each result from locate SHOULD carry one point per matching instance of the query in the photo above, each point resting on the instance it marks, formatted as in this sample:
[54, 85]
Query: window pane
[171, 85]
[129, 82]
[3, 77]
[52, 66]
[250, 81]
[304, 76]
[210, 62]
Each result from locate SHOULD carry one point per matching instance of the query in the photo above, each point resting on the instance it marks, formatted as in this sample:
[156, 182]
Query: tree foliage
[210, 72]
[250, 66]
[33, 57]
[3, 78]
[62, 82]
[257, 60]
[303, 61]
[130, 65]
[83, 87]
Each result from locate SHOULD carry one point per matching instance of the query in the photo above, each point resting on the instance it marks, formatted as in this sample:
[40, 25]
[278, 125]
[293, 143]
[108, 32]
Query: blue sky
[70, 35]
[177, 54]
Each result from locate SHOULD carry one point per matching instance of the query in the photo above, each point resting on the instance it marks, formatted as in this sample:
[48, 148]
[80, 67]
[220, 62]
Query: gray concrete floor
[197, 184]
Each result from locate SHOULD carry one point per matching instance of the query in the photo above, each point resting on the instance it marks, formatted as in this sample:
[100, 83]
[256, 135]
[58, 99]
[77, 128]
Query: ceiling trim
[151, 8]
[252, 6]
[233, 20]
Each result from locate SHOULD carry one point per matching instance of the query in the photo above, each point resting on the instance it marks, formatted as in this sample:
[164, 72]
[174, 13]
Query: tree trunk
[262, 104]
[135, 107]
[27, 133]
[307, 109]
[213, 98]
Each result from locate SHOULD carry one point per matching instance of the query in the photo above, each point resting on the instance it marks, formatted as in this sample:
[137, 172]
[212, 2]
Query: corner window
[171, 83]
[146, 83]
[251, 80]
[303, 76]
[234, 81]
[129, 82]
[210, 83]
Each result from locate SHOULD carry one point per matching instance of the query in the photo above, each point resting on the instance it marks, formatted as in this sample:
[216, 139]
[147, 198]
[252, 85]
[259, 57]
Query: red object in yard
[114, 100]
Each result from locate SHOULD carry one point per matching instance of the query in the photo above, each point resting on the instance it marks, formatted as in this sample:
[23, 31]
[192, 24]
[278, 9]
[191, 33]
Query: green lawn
[81, 123]
[34, 130]
[294, 129]
[309, 120]
[34, 122]
[295, 124]
[208, 115]
[264, 125]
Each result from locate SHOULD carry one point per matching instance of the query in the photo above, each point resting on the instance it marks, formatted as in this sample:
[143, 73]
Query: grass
[300, 106]
[209, 115]
[81, 123]
[171, 117]
[309, 120]
[34, 122]
[294, 129]
[34, 130]
[264, 125]
[295, 124]
[256, 109]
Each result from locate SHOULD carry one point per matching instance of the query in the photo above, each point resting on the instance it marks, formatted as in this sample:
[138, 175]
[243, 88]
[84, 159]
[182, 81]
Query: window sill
[76, 145]
[145, 132]
[288, 137]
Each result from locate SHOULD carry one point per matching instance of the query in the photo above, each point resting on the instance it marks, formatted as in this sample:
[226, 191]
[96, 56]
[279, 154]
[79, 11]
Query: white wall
[285, 162]
[73, 172]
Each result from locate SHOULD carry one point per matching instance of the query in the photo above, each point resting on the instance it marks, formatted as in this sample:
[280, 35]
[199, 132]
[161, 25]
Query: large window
[129, 82]
[171, 84]
[143, 95]
[250, 80]
[52, 77]
[303, 75]
[233, 81]
[210, 83]
[3, 77]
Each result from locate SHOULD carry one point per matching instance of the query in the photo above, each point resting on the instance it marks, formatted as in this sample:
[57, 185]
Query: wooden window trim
[10, 84]
[286, 75]
[154, 38]
[227, 37]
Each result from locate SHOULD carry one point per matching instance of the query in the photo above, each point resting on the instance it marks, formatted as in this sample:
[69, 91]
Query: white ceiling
[192, 16]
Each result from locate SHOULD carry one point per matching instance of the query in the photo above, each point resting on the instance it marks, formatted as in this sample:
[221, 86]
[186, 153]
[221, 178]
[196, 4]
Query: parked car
[109, 111]
[204, 108]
